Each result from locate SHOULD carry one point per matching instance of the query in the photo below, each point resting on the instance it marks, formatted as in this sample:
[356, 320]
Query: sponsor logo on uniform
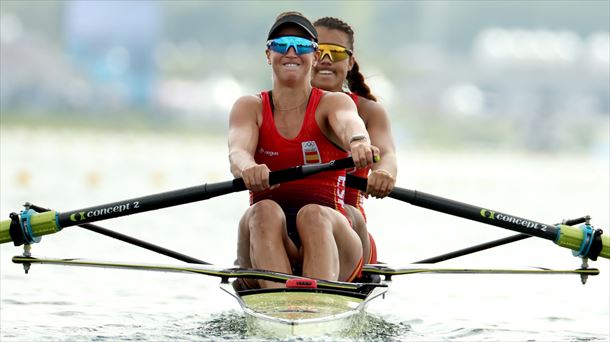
[311, 154]
[340, 191]
[268, 153]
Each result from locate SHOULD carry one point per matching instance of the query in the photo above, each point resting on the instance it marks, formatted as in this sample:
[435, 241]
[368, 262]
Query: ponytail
[356, 84]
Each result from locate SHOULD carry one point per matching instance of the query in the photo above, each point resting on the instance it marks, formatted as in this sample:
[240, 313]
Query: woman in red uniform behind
[338, 71]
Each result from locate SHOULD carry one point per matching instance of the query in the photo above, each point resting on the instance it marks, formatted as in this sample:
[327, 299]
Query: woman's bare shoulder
[335, 97]
[249, 100]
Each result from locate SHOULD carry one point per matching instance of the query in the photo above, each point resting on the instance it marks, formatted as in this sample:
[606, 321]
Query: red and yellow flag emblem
[311, 154]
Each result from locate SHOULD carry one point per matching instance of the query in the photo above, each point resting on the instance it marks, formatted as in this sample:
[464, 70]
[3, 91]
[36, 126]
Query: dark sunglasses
[334, 52]
[283, 44]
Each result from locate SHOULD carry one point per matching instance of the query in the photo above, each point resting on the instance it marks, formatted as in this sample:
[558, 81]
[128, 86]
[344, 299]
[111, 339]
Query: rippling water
[66, 170]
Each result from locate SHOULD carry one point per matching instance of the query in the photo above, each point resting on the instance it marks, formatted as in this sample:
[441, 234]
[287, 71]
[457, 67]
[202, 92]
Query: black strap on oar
[488, 245]
[130, 240]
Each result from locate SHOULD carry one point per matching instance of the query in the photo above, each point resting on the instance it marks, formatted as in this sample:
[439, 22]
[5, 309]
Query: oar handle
[30, 225]
[306, 170]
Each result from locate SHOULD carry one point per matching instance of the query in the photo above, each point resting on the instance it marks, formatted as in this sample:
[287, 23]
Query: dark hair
[355, 79]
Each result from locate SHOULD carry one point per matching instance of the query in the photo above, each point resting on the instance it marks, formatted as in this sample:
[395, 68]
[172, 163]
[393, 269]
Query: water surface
[67, 170]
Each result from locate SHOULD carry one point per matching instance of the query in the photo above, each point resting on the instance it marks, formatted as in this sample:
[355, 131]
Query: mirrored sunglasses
[334, 52]
[283, 44]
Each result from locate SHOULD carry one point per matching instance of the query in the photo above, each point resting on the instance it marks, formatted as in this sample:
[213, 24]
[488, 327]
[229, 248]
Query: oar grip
[355, 182]
[299, 172]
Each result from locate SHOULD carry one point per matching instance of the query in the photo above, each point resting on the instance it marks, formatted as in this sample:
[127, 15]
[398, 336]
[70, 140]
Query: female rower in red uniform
[297, 227]
[338, 71]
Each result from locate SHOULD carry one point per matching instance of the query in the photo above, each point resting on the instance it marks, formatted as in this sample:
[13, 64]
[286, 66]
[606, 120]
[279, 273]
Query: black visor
[297, 20]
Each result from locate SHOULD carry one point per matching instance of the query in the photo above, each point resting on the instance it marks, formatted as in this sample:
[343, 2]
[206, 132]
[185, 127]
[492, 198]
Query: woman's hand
[363, 153]
[380, 183]
[256, 177]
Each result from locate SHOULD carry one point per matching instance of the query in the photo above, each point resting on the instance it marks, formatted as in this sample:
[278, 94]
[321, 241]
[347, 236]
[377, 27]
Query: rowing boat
[305, 307]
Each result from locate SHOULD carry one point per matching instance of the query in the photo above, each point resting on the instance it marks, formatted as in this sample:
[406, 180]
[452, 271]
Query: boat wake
[231, 325]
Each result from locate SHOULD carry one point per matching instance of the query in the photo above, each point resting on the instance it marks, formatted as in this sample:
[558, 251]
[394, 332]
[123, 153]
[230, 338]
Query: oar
[488, 245]
[587, 242]
[130, 240]
[30, 226]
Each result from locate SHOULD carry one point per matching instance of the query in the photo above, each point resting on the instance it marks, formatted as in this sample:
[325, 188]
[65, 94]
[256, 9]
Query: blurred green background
[519, 75]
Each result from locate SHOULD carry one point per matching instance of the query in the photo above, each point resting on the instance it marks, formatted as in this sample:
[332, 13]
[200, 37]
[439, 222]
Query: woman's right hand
[363, 153]
[256, 177]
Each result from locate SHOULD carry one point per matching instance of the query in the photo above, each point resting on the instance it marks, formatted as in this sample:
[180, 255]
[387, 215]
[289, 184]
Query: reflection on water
[67, 170]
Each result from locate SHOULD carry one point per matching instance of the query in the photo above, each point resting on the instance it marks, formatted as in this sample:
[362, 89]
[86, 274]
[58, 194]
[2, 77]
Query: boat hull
[302, 312]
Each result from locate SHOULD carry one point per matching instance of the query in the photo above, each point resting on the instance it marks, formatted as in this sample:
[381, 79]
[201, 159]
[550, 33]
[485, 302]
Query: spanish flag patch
[311, 154]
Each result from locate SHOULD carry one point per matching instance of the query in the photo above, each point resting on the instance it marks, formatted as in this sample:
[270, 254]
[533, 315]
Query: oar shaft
[563, 235]
[148, 203]
[187, 195]
[34, 225]
[131, 240]
[29, 226]
[471, 212]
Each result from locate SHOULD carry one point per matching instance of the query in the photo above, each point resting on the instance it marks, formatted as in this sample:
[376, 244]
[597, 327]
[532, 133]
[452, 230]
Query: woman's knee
[313, 219]
[356, 219]
[265, 216]
[263, 212]
[312, 213]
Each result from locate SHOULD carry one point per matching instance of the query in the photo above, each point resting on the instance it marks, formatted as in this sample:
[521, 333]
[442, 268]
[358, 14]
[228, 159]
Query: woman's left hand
[380, 183]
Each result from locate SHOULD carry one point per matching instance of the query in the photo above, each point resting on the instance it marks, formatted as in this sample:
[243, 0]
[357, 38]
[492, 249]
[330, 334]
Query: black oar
[130, 240]
[587, 242]
[488, 245]
[30, 226]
